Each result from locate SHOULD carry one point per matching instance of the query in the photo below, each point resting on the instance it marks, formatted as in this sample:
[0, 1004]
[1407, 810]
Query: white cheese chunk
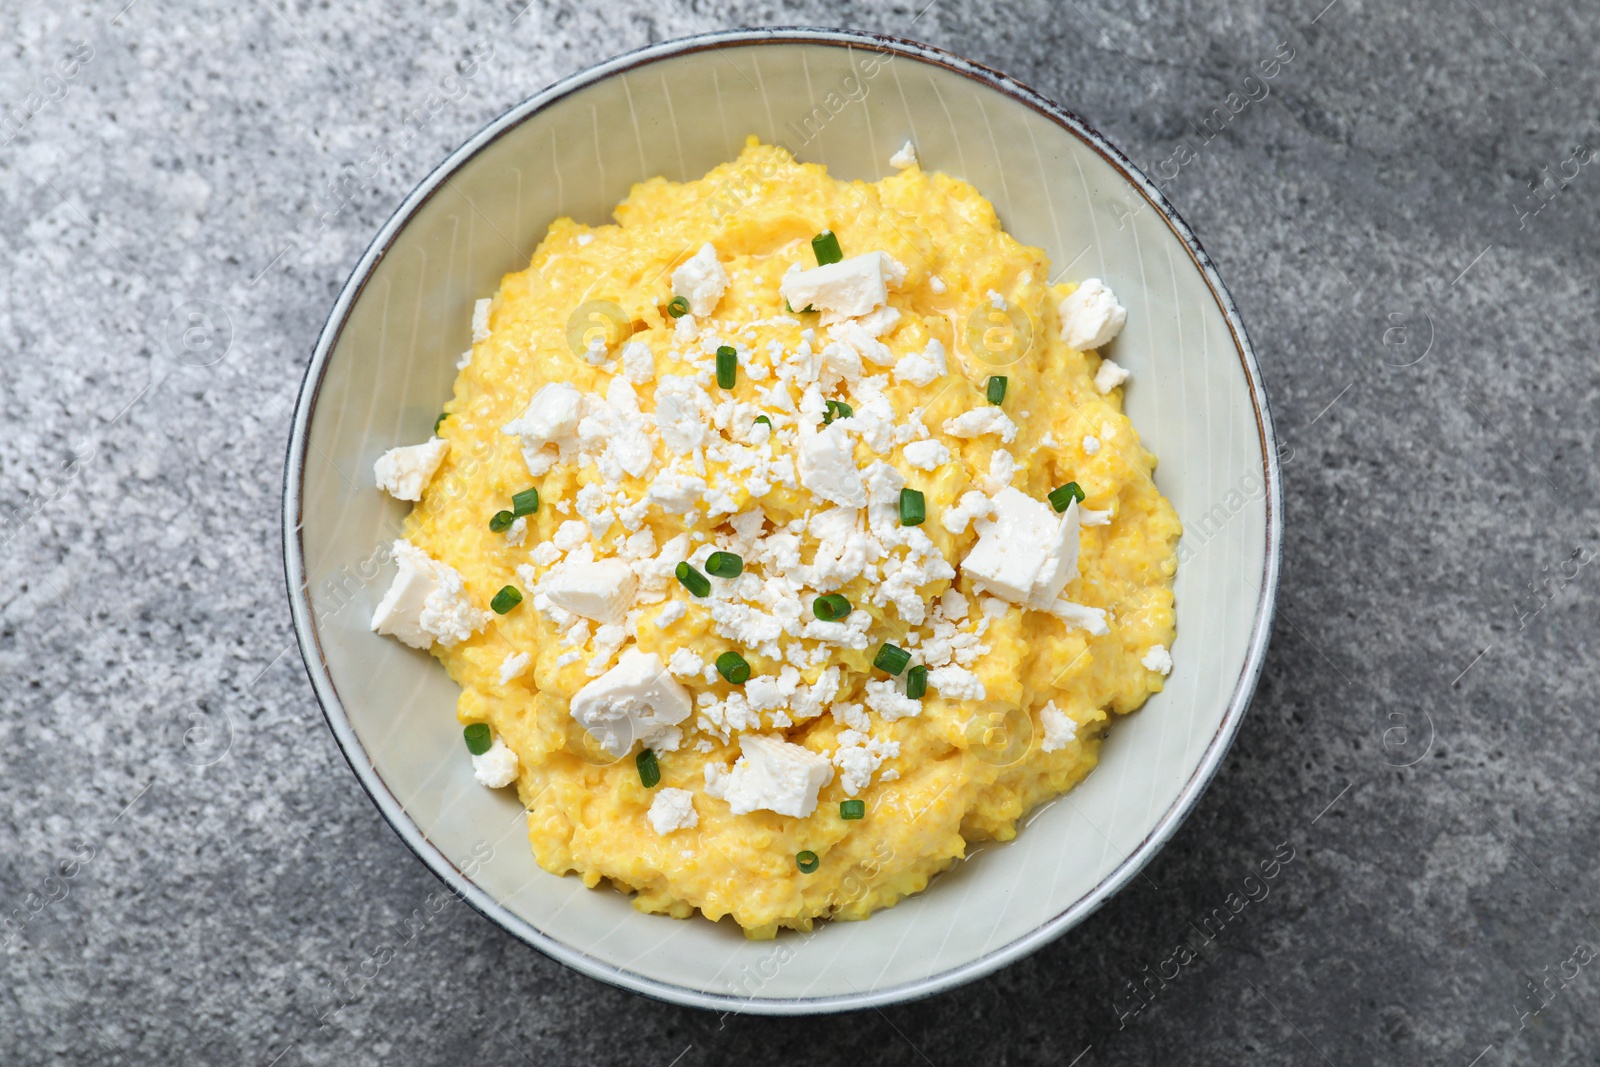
[956, 683]
[676, 491]
[1058, 727]
[638, 362]
[828, 467]
[841, 290]
[771, 775]
[972, 505]
[496, 768]
[905, 157]
[1091, 444]
[635, 701]
[1110, 375]
[673, 809]
[513, 665]
[601, 590]
[1158, 659]
[1025, 554]
[701, 281]
[427, 602]
[683, 411]
[1091, 316]
[1060, 564]
[980, 421]
[404, 472]
[927, 455]
[1081, 616]
[551, 417]
[480, 321]
[925, 367]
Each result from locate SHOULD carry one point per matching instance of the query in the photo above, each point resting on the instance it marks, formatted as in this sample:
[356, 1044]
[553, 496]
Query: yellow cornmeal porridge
[733, 662]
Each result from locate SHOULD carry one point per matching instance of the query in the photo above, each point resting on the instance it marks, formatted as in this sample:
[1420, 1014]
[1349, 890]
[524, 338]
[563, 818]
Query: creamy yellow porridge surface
[966, 770]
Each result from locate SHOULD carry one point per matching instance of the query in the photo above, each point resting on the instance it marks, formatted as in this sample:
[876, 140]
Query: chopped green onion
[826, 247]
[502, 521]
[727, 366]
[891, 658]
[764, 419]
[478, 738]
[837, 409]
[677, 307]
[724, 565]
[831, 607]
[997, 389]
[649, 769]
[807, 861]
[733, 667]
[852, 809]
[917, 681]
[525, 502]
[693, 580]
[1062, 496]
[440, 421]
[913, 508]
[506, 599]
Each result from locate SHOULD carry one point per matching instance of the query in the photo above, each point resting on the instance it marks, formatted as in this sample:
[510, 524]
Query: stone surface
[1420, 738]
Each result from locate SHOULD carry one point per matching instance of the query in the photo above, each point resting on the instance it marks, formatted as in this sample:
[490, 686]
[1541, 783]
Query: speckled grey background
[1422, 739]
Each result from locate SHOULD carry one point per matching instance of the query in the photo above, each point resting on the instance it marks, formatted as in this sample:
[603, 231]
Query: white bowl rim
[394, 812]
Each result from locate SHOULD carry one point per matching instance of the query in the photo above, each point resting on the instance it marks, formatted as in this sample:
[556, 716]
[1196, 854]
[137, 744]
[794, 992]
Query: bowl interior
[388, 364]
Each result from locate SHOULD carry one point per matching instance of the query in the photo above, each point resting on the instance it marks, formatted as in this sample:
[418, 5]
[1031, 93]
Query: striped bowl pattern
[385, 363]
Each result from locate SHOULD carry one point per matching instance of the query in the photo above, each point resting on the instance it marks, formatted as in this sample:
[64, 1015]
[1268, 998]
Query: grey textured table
[1421, 738]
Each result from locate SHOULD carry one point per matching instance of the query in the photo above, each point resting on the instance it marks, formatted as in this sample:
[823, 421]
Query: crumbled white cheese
[404, 472]
[875, 324]
[927, 455]
[841, 290]
[858, 757]
[480, 321]
[683, 410]
[517, 532]
[637, 700]
[1059, 729]
[1091, 316]
[885, 697]
[905, 157]
[936, 283]
[1002, 469]
[1110, 375]
[956, 683]
[427, 602]
[925, 367]
[1091, 517]
[1080, 616]
[972, 505]
[496, 768]
[771, 774]
[980, 421]
[638, 362]
[828, 468]
[570, 534]
[676, 491]
[675, 610]
[1091, 444]
[513, 665]
[1158, 659]
[1025, 554]
[701, 281]
[673, 809]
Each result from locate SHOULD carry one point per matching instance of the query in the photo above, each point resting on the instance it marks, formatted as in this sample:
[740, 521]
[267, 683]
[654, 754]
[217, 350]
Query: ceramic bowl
[386, 359]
